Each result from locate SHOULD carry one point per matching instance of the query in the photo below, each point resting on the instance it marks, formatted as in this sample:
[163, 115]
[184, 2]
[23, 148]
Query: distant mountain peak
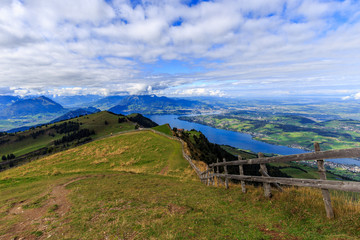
[151, 103]
[33, 106]
[46, 100]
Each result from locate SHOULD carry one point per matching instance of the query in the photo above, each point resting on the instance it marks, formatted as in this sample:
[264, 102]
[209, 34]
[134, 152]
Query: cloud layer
[224, 47]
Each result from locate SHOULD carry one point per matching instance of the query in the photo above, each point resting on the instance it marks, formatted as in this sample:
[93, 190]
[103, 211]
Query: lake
[235, 139]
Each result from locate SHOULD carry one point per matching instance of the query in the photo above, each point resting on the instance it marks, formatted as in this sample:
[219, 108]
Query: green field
[137, 186]
[297, 170]
[293, 131]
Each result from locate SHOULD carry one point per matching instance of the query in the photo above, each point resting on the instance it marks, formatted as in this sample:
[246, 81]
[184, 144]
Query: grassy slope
[165, 128]
[138, 186]
[94, 122]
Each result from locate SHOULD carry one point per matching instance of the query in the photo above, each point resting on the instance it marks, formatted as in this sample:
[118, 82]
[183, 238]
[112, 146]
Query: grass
[36, 203]
[118, 153]
[37, 233]
[138, 186]
[53, 208]
[94, 122]
[296, 170]
[164, 129]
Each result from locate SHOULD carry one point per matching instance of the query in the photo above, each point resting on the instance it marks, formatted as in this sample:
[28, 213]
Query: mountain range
[19, 113]
[152, 104]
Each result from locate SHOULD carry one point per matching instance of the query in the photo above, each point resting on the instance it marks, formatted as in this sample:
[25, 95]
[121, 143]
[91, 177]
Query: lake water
[235, 139]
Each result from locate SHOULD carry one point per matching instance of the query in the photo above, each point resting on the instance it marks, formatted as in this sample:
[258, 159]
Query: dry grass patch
[130, 162]
[100, 160]
[200, 165]
[119, 151]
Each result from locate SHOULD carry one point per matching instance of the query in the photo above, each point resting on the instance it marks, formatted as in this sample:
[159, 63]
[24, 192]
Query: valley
[287, 130]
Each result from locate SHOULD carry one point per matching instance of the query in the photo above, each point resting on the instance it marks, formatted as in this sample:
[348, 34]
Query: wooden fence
[209, 175]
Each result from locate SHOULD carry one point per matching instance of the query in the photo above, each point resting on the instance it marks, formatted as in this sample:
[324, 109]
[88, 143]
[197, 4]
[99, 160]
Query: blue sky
[180, 47]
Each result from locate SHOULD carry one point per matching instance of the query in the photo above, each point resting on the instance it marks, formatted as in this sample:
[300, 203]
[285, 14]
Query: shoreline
[252, 134]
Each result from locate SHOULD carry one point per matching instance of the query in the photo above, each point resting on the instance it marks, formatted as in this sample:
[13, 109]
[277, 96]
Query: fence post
[267, 187]
[207, 176]
[218, 171]
[213, 177]
[241, 171]
[226, 172]
[325, 192]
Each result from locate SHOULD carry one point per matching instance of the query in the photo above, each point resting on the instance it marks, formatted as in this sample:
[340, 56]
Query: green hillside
[136, 185]
[165, 128]
[62, 135]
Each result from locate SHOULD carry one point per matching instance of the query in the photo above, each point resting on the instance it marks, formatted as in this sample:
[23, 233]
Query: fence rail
[209, 175]
[331, 154]
[300, 182]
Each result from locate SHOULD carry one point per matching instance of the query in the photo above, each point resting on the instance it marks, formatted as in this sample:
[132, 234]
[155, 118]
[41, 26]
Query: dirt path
[164, 170]
[37, 223]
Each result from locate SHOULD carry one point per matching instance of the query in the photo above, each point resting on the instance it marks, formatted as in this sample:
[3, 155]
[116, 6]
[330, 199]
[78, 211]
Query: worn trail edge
[41, 219]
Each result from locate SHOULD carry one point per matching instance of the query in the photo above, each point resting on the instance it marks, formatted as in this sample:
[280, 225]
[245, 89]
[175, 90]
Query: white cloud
[69, 91]
[357, 96]
[196, 92]
[60, 45]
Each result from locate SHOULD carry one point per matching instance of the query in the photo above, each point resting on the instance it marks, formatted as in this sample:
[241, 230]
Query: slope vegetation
[136, 185]
[58, 136]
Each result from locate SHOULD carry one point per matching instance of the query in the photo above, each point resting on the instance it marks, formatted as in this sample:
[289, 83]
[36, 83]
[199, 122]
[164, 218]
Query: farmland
[288, 130]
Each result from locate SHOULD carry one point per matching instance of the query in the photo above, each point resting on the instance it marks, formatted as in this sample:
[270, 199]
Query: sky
[226, 48]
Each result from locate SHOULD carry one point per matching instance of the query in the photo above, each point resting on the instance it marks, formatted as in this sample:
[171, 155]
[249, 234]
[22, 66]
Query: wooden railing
[213, 171]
